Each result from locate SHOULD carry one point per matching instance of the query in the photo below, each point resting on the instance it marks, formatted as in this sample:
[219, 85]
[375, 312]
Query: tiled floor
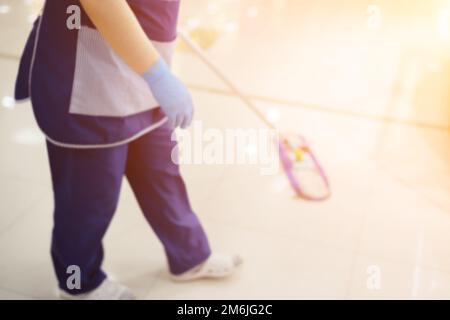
[374, 105]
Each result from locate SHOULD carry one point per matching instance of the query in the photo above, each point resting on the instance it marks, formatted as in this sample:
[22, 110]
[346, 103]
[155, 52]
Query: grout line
[9, 56]
[18, 293]
[406, 184]
[302, 105]
[299, 104]
[255, 229]
[20, 179]
[357, 252]
[25, 212]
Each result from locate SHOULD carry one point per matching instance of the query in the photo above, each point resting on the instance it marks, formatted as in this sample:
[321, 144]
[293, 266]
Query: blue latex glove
[171, 94]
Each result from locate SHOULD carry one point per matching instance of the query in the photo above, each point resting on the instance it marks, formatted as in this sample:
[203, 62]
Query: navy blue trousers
[86, 185]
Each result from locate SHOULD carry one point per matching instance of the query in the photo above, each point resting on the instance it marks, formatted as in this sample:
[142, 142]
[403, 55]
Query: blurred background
[367, 82]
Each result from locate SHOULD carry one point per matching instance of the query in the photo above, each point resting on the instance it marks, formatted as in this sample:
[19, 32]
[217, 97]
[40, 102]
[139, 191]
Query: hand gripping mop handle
[199, 52]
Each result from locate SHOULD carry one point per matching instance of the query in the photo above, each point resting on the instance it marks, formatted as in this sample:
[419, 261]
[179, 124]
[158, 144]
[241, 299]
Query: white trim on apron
[110, 145]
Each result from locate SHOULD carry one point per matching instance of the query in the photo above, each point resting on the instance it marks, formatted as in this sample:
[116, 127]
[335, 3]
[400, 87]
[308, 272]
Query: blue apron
[83, 95]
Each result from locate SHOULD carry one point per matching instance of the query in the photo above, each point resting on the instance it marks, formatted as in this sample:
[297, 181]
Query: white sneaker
[108, 290]
[217, 266]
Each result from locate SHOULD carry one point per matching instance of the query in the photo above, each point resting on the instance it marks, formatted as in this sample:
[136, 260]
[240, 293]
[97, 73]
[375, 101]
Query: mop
[303, 170]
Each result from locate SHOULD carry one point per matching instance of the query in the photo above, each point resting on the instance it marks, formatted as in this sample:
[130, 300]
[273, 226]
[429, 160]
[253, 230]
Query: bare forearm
[118, 25]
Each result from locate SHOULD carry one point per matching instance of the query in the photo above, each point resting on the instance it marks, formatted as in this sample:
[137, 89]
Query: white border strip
[109, 145]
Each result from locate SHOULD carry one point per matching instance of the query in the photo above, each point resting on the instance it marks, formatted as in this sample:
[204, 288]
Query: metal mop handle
[199, 52]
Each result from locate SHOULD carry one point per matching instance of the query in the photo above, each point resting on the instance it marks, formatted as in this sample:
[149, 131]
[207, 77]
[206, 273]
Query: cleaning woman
[105, 98]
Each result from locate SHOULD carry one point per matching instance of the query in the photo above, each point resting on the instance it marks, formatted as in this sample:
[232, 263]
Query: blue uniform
[102, 123]
[86, 187]
[83, 94]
